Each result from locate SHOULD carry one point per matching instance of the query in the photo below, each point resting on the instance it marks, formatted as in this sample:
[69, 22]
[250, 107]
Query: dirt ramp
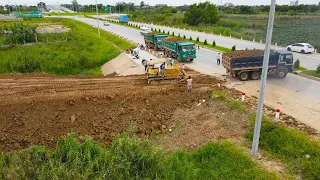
[121, 66]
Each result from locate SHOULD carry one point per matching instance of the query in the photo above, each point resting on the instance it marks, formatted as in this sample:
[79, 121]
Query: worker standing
[145, 64]
[161, 69]
[189, 84]
[218, 59]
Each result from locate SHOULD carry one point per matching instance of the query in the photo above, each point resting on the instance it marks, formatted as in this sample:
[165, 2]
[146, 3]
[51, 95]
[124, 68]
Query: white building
[294, 3]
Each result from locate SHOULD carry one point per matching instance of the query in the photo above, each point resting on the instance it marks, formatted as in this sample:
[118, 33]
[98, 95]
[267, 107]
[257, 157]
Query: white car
[106, 23]
[301, 47]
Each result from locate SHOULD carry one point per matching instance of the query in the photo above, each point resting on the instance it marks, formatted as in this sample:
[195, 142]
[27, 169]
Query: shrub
[296, 64]
[197, 39]
[163, 31]
[168, 33]
[152, 29]
[214, 43]
[184, 36]
[218, 95]
[205, 42]
[172, 33]
[179, 35]
[236, 105]
[190, 38]
[129, 158]
[159, 30]
[234, 48]
[290, 146]
[318, 69]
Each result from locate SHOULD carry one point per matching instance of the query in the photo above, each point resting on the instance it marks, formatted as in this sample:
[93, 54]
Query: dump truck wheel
[282, 73]
[255, 75]
[244, 76]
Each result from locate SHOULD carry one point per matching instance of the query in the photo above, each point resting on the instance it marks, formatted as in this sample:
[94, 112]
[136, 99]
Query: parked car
[301, 47]
[106, 23]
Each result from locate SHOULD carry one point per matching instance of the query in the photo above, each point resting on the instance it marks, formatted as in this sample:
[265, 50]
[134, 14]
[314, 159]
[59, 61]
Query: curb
[307, 76]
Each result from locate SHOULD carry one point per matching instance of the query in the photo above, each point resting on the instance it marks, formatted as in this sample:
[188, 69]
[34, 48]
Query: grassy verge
[294, 148]
[128, 158]
[311, 73]
[219, 48]
[82, 54]
[300, 68]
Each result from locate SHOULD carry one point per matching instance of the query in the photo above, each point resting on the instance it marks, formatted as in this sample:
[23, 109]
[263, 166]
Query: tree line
[290, 10]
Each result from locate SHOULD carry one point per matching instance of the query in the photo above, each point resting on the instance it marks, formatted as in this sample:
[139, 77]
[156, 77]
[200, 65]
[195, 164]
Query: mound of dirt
[39, 109]
[121, 66]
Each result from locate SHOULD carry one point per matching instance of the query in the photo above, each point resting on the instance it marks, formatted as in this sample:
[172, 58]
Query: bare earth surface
[38, 109]
[292, 102]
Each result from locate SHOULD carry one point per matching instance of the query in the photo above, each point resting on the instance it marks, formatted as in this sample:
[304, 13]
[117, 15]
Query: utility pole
[257, 127]
[97, 18]
[58, 9]
[105, 5]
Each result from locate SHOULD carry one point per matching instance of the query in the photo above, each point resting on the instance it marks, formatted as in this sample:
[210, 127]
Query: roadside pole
[105, 5]
[97, 18]
[58, 9]
[257, 127]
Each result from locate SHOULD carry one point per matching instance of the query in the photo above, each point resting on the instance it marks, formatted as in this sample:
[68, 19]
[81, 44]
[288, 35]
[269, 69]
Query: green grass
[311, 73]
[236, 105]
[287, 29]
[128, 158]
[300, 68]
[291, 147]
[83, 54]
[218, 95]
[2, 38]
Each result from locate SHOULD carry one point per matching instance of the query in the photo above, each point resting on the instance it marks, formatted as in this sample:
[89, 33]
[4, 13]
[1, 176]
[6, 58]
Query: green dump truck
[154, 40]
[180, 50]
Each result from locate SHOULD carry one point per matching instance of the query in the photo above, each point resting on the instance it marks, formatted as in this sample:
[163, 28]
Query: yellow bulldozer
[169, 70]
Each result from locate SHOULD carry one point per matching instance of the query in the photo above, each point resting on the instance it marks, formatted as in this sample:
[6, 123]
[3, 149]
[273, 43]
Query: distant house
[160, 5]
[294, 3]
[228, 5]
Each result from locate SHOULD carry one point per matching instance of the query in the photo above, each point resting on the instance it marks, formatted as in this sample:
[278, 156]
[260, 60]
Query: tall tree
[75, 5]
[202, 13]
[142, 4]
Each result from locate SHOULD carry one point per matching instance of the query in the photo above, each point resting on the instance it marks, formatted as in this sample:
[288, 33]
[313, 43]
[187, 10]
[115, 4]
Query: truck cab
[285, 60]
[186, 51]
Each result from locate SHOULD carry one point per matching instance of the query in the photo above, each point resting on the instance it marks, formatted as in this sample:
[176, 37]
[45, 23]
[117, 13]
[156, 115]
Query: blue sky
[153, 2]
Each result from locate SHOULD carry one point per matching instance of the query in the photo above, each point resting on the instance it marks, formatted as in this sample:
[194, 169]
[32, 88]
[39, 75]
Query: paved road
[309, 61]
[295, 86]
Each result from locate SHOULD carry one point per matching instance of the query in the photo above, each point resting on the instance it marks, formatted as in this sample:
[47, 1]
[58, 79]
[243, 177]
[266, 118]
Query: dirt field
[37, 109]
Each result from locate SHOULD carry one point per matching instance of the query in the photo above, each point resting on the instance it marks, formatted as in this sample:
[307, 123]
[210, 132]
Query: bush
[184, 36]
[83, 53]
[168, 33]
[290, 146]
[151, 29]
[296, 64]
[129, 158]
[172, 33]
[234, 48]
[163, 32]
[159, 30]
[197, 39]
[214, 43]
[205, 42]
[318, 69]
[190, 38]
[205, 13]
[179, 35]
